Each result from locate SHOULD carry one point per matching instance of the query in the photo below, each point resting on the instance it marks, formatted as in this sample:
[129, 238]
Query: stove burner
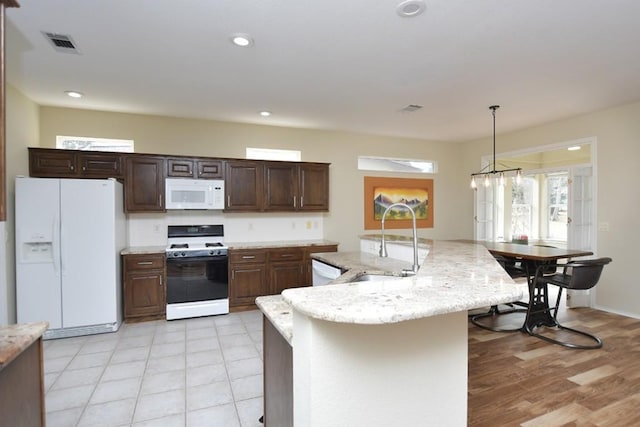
[213, 245]
[179, 246]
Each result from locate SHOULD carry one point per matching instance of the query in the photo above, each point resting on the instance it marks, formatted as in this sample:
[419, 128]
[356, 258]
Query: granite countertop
[278, 311]
[279, 243]
[141, 250]
[14, 339]
[357, 263]
[133, 250]
[453, 277]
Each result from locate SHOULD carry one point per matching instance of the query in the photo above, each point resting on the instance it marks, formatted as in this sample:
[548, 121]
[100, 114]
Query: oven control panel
[197, 253]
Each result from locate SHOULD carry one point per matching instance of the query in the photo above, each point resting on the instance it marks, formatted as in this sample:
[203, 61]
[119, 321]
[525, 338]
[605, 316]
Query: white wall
[22, 131]
[151, 229]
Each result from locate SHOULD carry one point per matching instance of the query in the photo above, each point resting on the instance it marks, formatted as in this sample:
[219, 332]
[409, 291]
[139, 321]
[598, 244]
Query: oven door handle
[197, 259]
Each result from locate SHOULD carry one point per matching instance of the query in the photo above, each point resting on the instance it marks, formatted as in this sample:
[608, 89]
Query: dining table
[533, 256]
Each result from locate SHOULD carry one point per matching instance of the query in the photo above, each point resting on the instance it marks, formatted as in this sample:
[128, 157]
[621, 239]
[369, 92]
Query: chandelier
[485, 175]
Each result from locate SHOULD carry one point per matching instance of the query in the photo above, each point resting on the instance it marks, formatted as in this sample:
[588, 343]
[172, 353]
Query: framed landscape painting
[381, 192]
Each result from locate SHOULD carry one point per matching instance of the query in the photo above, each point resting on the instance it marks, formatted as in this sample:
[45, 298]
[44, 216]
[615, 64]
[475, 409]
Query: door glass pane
[557, 193]
[522, 203]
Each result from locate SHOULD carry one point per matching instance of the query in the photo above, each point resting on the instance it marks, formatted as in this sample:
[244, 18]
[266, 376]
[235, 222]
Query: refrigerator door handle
[55, 232]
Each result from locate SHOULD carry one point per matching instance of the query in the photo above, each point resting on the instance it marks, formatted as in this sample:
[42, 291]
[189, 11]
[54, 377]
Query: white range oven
[197, 271]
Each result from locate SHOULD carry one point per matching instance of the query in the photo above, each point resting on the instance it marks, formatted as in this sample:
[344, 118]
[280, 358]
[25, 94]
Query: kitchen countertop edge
[14, 339]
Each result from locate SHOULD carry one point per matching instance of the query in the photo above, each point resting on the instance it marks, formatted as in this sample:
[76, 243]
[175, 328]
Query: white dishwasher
[323, 273]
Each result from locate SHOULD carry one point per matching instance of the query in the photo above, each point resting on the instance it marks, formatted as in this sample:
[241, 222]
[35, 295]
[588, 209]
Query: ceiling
[334, 64]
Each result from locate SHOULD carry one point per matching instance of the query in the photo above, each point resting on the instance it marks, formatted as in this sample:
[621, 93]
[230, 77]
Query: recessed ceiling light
[574, 148]
[265, 113]
[74, 94]
[410, 8]
[242, 40]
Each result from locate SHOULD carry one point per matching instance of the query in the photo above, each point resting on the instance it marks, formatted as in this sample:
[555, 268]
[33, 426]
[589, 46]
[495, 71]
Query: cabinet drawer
[288, 254]
[250, 256]
[144, 262]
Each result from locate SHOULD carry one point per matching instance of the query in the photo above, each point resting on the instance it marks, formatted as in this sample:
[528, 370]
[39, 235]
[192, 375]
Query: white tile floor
[192, 372]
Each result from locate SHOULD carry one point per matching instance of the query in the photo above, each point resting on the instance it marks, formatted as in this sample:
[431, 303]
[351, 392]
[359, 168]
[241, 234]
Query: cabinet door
[210, 169]
[313, 187]
[52, 163]
[246, 283]
[144, 184]
[285, 275]
[182, 168]
[280, 192]
[243, 185]
[101, 165]
[144, 293]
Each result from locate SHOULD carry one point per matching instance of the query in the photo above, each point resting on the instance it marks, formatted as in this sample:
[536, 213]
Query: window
[387, 164]
[273, 154]
[524, 208]
[556, 209]
[94, 144]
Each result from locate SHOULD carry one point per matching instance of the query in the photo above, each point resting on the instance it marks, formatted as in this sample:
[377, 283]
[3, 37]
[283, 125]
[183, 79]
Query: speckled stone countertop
[141, 250]
[279, 243]
[358, 263]
[278, 311]
[133, 250]
[14, 339]
[453, 277]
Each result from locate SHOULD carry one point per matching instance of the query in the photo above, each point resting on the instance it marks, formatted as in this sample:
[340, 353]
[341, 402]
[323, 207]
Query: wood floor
[519, 380]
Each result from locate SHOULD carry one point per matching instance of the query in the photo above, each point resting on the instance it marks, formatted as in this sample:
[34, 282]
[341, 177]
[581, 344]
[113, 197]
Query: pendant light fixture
[486, 176]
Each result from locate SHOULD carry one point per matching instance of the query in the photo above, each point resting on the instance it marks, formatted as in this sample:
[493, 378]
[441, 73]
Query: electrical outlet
[603, 226]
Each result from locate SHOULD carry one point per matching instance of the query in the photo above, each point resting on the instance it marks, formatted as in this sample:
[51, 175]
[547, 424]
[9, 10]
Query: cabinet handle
[248, 256]
[228, 201]
[161, 281]
[294, 202]
[159, 199]
[286, 255]
[301, 201]
[233, 274]
[145, 262]
[84, 168]
[72, 167]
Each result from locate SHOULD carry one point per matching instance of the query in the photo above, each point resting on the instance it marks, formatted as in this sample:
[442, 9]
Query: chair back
[585, 274]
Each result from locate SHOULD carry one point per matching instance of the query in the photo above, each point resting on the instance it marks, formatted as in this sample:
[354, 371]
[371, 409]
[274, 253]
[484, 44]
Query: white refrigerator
[69, 234]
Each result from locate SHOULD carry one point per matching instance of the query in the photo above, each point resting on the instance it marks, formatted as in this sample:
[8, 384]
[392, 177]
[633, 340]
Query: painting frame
[374, 183]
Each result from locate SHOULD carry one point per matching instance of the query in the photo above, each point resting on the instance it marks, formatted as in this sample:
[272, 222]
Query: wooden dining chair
[579, 275]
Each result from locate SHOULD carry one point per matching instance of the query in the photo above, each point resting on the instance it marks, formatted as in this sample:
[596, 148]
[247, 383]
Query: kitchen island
[391, 351]
[22, 375]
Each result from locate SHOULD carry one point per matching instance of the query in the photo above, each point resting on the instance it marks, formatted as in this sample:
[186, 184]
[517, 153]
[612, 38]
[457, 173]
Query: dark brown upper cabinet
[144, 184]
[180, 167]
[54, 163]
[244, 185]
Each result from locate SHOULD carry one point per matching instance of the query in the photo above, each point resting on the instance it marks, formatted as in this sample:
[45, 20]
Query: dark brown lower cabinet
[22, 389]
[269, 271]
[145, 296]
[278, 377]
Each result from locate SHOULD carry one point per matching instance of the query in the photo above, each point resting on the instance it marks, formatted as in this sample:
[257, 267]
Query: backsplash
[151, 229]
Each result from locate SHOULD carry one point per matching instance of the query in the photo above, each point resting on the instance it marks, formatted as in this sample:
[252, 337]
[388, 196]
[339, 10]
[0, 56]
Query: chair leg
[493, 312]
[529, 328]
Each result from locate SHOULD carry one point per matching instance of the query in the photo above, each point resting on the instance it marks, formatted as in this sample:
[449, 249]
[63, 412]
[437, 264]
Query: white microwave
[184, 193]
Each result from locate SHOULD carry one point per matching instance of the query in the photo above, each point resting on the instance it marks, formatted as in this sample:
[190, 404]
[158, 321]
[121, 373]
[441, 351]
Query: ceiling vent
[410, 108]
[62, 42]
